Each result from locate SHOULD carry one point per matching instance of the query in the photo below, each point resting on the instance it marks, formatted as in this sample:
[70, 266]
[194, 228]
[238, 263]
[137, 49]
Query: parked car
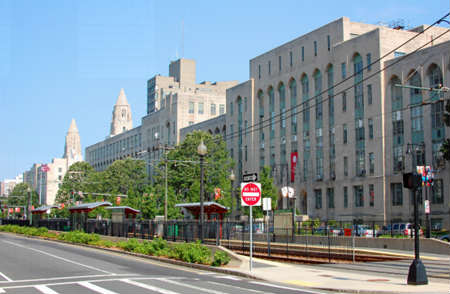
[364, 231]
[404, 229]
[445, 237]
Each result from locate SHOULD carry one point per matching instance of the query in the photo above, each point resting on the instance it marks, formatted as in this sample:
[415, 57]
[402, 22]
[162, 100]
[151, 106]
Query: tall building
[173, 102]
[46, 179]
[333, 114]
[121, 118]
[7, 186]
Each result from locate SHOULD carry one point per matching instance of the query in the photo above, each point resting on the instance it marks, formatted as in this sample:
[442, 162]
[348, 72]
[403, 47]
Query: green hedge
[188, 252]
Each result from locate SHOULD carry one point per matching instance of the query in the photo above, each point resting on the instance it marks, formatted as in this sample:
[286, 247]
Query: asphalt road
[38, 266]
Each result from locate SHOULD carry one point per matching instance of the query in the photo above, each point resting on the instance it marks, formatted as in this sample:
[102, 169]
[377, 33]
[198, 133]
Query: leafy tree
[183, 172]
[19, 196]
[81, 177]
[124, 176]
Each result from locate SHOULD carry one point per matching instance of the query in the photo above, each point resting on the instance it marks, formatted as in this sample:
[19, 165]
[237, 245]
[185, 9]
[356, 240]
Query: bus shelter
[123, 220]
[40, 212]
[79, 214]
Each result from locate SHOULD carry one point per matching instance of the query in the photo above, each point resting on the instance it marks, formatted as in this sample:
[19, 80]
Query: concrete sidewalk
[334, 280]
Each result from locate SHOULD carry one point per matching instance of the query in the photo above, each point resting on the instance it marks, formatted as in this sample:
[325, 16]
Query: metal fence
[313, 242]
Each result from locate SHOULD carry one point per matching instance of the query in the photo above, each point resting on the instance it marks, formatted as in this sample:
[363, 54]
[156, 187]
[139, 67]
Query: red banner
[118, 200]
[17, 209]
[294, 159]
[11, 210]
[216, 193]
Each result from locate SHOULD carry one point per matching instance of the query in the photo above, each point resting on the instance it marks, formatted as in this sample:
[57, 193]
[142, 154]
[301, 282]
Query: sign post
[251, 196]
[267, 207]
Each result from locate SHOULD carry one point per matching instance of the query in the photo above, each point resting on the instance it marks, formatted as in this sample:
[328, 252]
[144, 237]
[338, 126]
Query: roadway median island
[194, 253]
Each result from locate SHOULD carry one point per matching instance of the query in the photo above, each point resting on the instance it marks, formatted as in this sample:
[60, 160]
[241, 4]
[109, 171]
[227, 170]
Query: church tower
[72, 149]
[121, 120]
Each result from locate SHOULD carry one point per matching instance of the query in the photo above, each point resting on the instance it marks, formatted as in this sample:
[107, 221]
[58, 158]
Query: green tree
[19, 196]
[81, 177]
[183, 172]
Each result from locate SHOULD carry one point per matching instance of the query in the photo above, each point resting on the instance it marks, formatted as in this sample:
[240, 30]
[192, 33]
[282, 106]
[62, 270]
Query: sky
[64, 59]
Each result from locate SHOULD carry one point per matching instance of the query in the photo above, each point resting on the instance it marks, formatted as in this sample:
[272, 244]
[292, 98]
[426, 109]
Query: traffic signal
[412, 181]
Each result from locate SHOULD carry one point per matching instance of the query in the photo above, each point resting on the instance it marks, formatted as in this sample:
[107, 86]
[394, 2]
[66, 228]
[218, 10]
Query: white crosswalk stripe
[149, 287]
[237, 287]
[96, 288]
[45, 290]
[207, 290]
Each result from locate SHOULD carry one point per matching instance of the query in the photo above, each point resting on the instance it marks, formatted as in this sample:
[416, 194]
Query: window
[359, 196]
[437, 196]
[369, 94]
[231, 109]
[245, 104]
[318, 198]
[279, 63]
[259, 71]
[346, 166]
[245, 153]
[191, 107]
[345, 197]
[371, 195]
[315, 48]
[370, 122]
[59, 177]
[398, 54]
[344, 134]
[200, 108]
[59, 169]
[330, 197]
[291, 62]
[303, 53]
[213, 109]
[369, 61]
[343, 70]
[397, 194]
[371, 163]
[191, 123]
[270, 67]
[344, 102]
[328, 42]
[221, 109]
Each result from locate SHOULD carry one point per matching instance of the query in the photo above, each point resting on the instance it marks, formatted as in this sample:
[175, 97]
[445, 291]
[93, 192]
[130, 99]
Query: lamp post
[201, 150]
[417, 274]
[232, 178]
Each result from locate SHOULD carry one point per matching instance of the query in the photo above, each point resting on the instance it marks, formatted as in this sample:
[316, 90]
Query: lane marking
[149, 287]
[96, 288]
[45, 289]
[237, 287]
[191, 286]
[2, 291]
[61, 258]
[67, 278]
[229, 278]
[285, 288]
[5, 277]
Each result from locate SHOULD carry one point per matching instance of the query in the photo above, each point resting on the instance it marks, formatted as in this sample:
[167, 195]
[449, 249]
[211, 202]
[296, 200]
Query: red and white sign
[45, 168]
[250, 194]
[294, 160]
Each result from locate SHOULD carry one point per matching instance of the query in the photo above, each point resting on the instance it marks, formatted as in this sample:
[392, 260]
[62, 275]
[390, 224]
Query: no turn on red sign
[250, 194]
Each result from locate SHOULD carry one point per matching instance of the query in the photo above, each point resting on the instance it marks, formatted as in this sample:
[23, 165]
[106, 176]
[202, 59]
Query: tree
[183, 172]
[81, 177]
[19, 196]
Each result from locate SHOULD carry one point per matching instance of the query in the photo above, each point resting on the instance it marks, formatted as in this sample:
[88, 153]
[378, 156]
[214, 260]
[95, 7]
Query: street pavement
[29, 265]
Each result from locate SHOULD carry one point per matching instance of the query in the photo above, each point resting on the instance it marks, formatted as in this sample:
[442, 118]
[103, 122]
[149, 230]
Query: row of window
[358, 197]
[123, 145]
[201, 108]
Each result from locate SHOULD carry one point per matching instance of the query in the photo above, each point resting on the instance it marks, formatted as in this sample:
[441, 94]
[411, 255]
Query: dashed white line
[65, 278]
[5, 277]
[59, 257]
[96, 288]
[2, 291]
[45, 289]
[149, 287]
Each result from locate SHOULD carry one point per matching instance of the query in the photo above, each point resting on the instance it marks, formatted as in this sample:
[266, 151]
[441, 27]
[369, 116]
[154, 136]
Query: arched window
[272, 112]
[417, 136]
[359, 115]
[305, 99]
[397, 123]
[332, 152]
[437, 111]
[318, 101]
[293, 105]
[282, 96]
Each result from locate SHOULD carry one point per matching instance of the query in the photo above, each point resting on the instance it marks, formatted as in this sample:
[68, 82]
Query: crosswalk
[218, 284]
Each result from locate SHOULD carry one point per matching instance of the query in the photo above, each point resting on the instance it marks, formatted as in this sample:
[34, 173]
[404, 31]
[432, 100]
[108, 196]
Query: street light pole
[201, 150]
[232, 178]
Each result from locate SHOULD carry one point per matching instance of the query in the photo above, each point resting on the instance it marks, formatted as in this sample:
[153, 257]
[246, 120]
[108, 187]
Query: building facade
[173, 102]
[46, 179]
[329, 113]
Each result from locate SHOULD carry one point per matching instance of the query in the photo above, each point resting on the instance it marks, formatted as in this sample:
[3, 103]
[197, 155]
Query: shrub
[220, 258]
[191, 252]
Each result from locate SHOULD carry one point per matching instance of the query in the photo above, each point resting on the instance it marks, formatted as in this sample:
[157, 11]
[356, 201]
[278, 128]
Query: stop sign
[250, 194]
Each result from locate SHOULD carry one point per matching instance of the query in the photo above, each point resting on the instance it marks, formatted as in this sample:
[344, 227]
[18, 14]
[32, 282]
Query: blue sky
[64, 59]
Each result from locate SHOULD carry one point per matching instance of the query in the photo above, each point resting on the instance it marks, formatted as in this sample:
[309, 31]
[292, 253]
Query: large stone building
[329, 113]
[173, 102]
[7, 186]
[46, 179]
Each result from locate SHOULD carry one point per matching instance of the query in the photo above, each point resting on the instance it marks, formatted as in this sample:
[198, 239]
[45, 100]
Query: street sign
[251, 194]
[267, 204]
[250, 177]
